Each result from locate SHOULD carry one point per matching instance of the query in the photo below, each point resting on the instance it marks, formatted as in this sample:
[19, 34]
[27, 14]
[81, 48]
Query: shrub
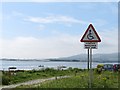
[5, 80]
[70, 69]
[99, 65]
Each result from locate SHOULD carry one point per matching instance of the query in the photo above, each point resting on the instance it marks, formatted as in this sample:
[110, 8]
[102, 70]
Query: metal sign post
[91, 39]
[88, 60]
[90, 69]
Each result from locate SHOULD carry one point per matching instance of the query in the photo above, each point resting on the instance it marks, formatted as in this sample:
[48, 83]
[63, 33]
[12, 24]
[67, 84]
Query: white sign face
[92, 45]
[90, 35]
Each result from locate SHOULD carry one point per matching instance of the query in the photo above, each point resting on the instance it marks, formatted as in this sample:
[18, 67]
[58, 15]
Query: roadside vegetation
[107, 79]
[79, 78]
[23, 75]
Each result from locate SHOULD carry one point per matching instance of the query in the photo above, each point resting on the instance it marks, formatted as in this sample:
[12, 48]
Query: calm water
[28, 65]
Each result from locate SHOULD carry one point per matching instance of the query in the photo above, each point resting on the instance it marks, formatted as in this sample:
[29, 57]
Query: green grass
[107, 79]
[33, 74]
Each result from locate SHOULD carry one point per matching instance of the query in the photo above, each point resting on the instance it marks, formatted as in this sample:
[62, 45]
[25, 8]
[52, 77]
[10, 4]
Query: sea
[30, 65]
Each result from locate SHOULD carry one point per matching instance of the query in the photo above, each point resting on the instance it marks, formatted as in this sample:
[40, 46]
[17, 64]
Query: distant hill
[113, 57]
[103, 58]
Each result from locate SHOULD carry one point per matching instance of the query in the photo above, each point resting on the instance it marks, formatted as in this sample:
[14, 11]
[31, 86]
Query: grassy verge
[107, 79]
[22, 76]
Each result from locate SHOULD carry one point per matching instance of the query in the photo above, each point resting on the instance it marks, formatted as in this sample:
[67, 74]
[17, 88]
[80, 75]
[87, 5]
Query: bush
[98, 70]
[49, 69]
[5, 80]
[70, 69]
[100, 66]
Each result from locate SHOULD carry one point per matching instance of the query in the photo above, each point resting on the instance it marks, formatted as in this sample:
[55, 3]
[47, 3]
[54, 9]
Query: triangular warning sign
[90, 35]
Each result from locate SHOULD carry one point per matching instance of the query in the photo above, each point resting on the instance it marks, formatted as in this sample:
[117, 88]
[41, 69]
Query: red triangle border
[99, 40]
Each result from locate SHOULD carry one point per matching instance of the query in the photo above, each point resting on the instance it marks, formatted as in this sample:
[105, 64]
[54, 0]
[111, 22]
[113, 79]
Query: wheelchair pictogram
[89, 36]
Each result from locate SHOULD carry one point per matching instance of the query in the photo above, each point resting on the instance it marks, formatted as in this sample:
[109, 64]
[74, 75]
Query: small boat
[41, 66]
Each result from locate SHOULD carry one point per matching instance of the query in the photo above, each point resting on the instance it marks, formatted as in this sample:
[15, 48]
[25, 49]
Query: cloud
[30, 47]
[54, 19]
[56, 46]
[109, 41]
